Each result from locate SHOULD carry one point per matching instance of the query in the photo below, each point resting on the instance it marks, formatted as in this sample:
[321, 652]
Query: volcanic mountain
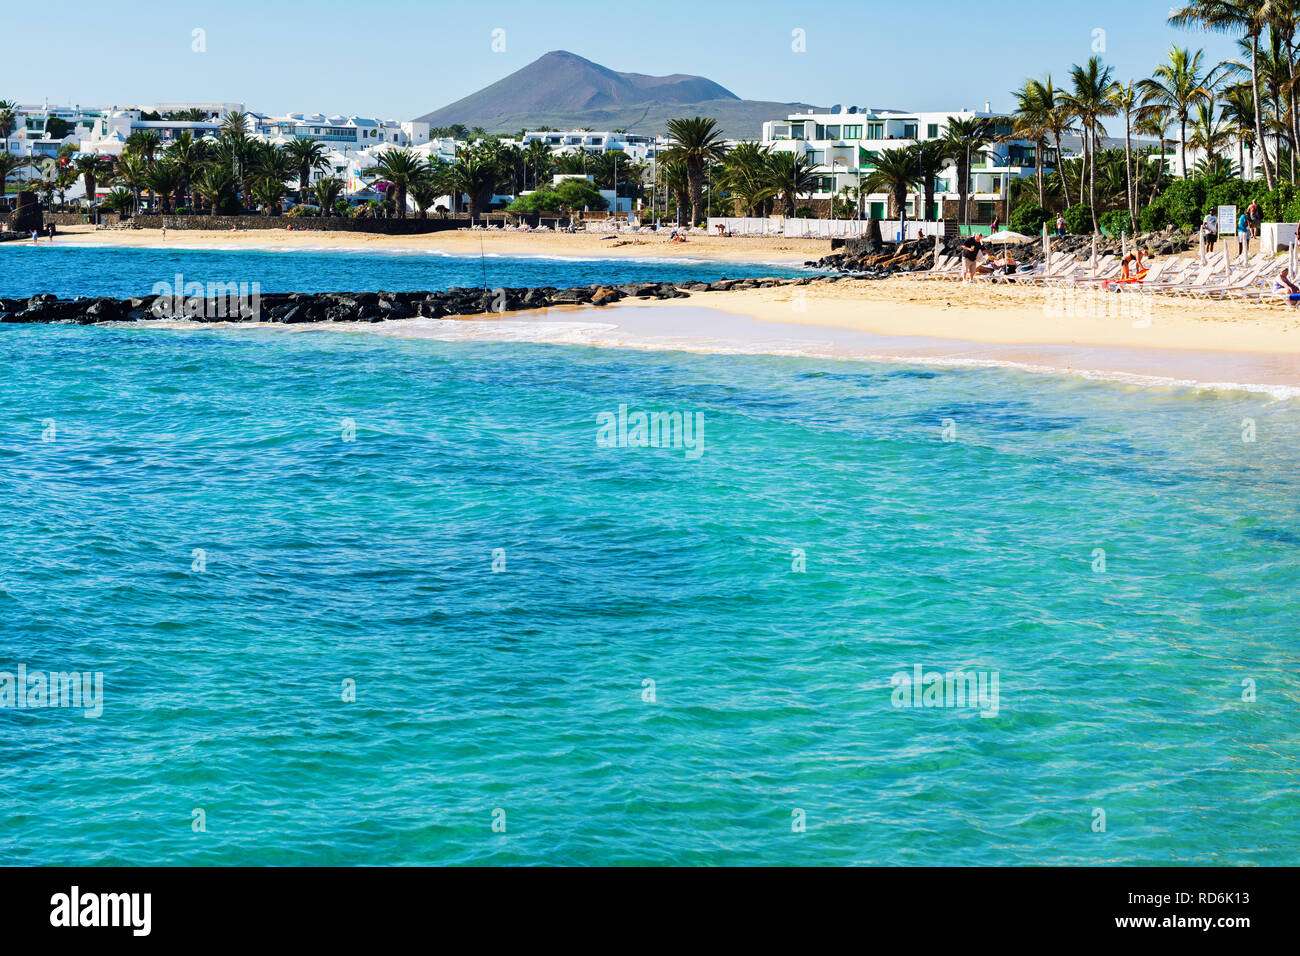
[566, 91]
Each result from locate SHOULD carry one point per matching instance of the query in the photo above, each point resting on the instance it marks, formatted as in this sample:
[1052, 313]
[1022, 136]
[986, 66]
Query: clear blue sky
[398, 59]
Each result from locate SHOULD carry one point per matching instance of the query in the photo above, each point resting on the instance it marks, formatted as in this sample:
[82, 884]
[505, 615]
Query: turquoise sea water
[524, 689]
[91, 271]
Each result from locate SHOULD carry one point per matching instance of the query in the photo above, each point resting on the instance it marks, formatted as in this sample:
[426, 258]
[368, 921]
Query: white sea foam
[747, 337]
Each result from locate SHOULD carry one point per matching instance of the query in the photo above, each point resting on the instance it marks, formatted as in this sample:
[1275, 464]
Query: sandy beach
[465, 242]
[1058, 328]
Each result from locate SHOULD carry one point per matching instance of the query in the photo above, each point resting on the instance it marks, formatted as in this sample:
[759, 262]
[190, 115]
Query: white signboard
[1227, 220]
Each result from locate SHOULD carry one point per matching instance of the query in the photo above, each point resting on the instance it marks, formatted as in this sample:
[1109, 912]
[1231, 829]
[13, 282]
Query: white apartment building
[841, 144]
[636, 146]
[345, 133]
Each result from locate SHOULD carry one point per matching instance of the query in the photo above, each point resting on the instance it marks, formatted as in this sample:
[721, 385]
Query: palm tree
[672, 177]
[163, 180]
[307, 156]
[1285, 17]
[235, 124]
[424, 194]
[745, 175]
[400, 168]
[216, 184]
[696, 142]
[1247, 17]
[8, 119]
[9, 164]
[89, 168]
[1124, 99]
[790, 175]
[119, 200]
[145, 144]
[326, 192]
[1178, 85]
[267, 192]
[132, 170]
[1209, 134]
[895, 173]
[1090, 100]
[1154, 121]
[931, 157]
[186, 154]
[475, 174]
[1059, 122]
[966, 139]
[1034, 105]
[539, 158]
[1239, 114]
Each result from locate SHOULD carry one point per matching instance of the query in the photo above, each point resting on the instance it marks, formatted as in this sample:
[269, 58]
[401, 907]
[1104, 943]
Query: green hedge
[1116, 222]
[1078, 220]
[1028, 218]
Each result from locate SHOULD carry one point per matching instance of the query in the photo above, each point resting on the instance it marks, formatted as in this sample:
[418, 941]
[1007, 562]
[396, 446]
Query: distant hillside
[567, 91]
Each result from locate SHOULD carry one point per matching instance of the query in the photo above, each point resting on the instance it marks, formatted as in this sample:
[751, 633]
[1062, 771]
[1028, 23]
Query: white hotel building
[840, 144]
[634, 145]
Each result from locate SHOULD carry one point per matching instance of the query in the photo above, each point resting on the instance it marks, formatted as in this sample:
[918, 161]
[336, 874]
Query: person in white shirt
[1211, 229]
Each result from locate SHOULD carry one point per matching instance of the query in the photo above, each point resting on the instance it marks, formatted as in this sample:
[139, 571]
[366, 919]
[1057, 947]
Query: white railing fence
[821, 228]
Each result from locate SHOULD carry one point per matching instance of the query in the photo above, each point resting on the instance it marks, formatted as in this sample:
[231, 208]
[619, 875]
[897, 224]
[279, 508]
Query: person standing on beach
[994, 225]
[1060, 227]
[1210, 229]
[970, 251]
[1243, 232]
[1254, 217]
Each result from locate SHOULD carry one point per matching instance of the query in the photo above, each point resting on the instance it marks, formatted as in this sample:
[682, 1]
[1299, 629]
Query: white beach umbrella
[1047, 250]
[1201, 237]
[1093, 263]
[1008, 237]
[1291, 253]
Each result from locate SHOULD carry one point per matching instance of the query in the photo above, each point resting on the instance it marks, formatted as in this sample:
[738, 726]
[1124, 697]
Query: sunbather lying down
[997, 265]
[1283, 285]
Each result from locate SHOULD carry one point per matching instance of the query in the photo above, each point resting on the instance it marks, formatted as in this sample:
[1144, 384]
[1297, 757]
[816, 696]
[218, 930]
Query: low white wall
[820, 228]
[1275, 236]
[738, 226]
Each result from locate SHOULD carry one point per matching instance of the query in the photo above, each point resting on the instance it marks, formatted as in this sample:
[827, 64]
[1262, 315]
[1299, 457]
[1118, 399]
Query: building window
[909, 131]
[818, 157]
[852, 132]
[820, 133]
[796, 130]
[932, 131]
[832, 132]
[875, 131]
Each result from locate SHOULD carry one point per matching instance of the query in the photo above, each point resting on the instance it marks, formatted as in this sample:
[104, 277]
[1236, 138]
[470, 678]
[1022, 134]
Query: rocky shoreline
[241, 305]
[872, 259]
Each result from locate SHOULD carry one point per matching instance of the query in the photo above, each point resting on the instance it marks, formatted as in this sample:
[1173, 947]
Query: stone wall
[81, 218]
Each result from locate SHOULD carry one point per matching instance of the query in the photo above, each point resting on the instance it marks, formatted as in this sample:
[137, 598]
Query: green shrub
[1078, 220]
[1280, 203]
[1154, 217]
[1116, 222]
[567, 194]
[342, 208]
[1233, 192]
[1182, 201]
[1028, 218]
